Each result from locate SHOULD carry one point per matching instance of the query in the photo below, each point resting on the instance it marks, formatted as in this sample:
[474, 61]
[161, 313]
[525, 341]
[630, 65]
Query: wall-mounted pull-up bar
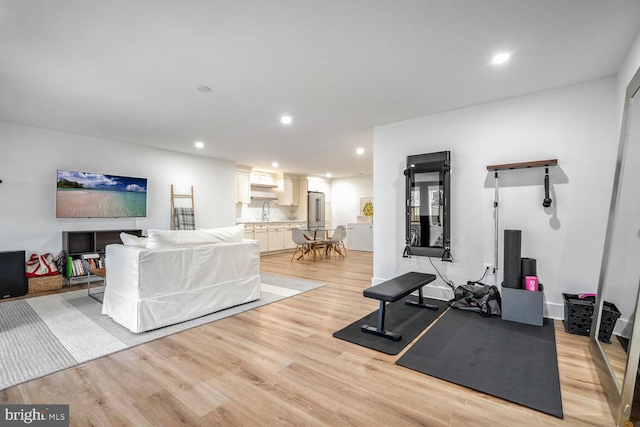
[546, 203]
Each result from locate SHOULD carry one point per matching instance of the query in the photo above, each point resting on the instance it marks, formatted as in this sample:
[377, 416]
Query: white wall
[574, 124]
[345, 197]
[30, 157]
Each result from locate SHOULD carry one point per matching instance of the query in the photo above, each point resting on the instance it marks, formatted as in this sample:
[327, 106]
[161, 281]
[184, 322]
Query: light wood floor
[279, 365]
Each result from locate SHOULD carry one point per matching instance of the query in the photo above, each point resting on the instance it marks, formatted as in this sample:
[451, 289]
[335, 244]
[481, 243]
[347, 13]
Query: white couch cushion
[164, 239]
[131, 240]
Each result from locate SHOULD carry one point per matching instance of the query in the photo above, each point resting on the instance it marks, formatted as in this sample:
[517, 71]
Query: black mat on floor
[513, 361]
[400, 318]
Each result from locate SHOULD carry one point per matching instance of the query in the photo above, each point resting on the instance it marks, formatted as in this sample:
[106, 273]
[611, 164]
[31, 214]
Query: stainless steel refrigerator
[315, 211]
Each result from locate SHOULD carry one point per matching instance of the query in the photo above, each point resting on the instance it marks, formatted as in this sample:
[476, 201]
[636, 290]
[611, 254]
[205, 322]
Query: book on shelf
[77, 267]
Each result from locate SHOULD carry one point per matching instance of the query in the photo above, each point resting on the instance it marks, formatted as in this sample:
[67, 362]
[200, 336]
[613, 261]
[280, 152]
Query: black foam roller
[528, 267]
[512, 257]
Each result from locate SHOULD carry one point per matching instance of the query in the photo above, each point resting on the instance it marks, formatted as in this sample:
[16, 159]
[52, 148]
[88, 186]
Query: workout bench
[392, 290]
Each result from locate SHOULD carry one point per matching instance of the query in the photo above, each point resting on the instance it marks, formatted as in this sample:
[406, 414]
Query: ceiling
[128, 70]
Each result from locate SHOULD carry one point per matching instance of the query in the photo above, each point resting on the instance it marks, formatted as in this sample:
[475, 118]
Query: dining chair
[303, 244]
[335, 243]
[341, 244]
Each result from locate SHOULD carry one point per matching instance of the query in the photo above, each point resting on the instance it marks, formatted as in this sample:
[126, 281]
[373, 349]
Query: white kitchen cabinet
[275, 240]
[288, 192]
[243, 187]
[273, 236]
[328, 221]
[261, 234]
[263, 179]
[248, 232]
[360, 237]
[288, 235]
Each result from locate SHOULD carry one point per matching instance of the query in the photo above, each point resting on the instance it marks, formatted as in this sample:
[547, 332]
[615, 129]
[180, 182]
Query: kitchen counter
[360, 236]
[273, 235]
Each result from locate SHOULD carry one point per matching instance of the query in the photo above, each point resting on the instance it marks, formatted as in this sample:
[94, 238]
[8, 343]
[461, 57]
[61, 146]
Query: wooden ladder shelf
[175, 196]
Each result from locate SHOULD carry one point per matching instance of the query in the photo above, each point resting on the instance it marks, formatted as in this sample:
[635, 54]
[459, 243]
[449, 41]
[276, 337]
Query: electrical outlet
[489, 266]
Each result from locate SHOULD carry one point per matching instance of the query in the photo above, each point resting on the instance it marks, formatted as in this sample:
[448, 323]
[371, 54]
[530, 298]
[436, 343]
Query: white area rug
[42, 335]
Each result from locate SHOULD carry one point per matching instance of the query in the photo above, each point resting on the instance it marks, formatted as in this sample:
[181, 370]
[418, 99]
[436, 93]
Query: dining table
[313, 234]
[320, 235]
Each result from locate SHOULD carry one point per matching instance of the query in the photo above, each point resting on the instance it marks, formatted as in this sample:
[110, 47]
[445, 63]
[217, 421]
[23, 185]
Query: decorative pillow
[61, 261]
[163, 239]
[131, 240]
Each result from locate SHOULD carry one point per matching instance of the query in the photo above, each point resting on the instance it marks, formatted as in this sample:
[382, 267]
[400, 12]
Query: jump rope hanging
[547, 200]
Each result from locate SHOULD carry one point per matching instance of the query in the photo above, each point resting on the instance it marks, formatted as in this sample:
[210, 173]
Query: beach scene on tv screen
[93, 195]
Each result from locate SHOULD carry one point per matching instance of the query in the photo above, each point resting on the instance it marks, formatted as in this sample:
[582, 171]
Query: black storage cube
[13, 281]
[578, 314]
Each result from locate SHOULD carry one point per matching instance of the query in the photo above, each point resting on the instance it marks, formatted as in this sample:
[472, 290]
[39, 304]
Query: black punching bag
[512, 257]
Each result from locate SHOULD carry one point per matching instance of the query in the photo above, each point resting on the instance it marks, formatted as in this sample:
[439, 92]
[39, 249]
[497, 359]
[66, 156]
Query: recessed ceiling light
[203, 88]
[328, 175]
[199, 144]
[501, 58]
[274, 164]
[360, 151]
[286, 120]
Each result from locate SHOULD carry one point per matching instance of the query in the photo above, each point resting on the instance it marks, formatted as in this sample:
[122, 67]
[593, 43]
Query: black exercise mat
[513, 361]
[400, 318]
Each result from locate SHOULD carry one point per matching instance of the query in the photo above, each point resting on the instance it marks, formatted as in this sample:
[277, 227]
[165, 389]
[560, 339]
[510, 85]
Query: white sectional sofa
[178, 276]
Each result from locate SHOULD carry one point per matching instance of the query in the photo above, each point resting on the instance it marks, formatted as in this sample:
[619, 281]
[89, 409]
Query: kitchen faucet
[266, 211]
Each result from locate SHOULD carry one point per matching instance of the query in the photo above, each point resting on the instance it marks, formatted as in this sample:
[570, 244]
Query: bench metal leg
[420, 303]
[380, 331]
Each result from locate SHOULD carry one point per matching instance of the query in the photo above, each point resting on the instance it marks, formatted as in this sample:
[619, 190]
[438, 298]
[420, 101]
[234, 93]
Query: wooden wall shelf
[521, 165]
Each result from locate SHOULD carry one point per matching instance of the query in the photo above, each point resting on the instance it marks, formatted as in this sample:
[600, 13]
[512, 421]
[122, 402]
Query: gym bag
[41, 265]
[484, 299]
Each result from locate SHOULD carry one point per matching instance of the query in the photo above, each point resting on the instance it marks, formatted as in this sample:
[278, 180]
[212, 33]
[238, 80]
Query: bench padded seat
[399, 287]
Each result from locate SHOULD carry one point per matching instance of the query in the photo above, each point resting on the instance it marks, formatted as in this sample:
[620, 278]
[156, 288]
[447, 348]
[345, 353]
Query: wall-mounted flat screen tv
[95, 195]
